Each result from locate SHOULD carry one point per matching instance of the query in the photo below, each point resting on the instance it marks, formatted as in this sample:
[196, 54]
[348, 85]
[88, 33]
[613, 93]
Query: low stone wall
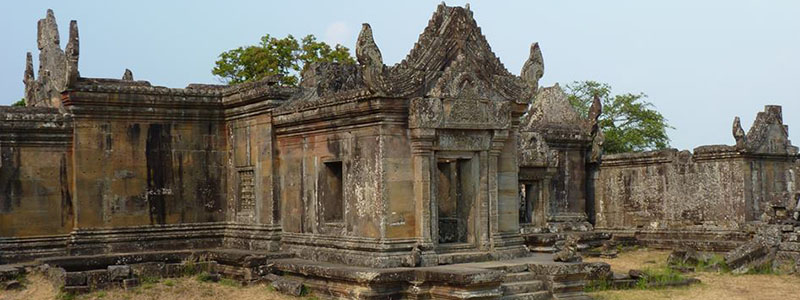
[716, 188]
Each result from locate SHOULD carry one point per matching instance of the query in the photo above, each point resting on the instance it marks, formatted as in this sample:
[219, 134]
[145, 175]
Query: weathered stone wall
[140, 160]
[300, 166]
[35, 172]
[671, 189]
[714, 188]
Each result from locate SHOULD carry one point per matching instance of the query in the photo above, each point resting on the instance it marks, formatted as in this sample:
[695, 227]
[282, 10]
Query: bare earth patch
[172, 288]
[723, 286]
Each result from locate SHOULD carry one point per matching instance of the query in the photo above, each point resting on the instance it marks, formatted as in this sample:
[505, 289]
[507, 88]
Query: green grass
[148, 279]
[22, 278]
[62, 295]
[205, 277]
[763, 269]
[659, 276]
[190, 269]
[305, 291]
[715, 263]
[598, 285]
[230, 282]
[169, 282]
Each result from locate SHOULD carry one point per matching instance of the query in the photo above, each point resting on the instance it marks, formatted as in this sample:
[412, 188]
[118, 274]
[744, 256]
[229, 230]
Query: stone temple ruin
[442, 176]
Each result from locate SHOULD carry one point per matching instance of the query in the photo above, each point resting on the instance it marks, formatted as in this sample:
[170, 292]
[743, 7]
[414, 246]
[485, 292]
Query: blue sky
[700, 62]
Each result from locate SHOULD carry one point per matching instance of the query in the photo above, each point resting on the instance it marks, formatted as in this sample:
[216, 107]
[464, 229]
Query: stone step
[520, 276]
[540, 295]
[563, 287]
[522, 287]
[511, 268]
[572, 296]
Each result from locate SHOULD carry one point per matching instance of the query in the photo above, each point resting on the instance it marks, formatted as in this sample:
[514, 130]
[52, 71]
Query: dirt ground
[724, 286]
[188, 288]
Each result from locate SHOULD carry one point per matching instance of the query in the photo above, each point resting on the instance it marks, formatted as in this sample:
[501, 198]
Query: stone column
[423, 162]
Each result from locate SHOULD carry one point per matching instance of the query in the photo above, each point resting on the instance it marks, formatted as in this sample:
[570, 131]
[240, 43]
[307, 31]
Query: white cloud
[336, 33]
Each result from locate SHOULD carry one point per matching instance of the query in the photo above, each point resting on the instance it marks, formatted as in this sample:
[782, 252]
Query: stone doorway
[456, 191]
[531, 206]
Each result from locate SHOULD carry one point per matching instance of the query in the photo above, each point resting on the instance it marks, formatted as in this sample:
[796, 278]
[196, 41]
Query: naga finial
[738, 133]
[370, 59]
[533, 69]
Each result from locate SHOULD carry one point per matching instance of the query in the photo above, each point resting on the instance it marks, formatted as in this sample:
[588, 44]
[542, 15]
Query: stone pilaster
[423, 160]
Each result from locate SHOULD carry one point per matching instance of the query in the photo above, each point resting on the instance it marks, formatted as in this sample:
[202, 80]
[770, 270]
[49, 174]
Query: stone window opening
[331, 193]
[247, 194]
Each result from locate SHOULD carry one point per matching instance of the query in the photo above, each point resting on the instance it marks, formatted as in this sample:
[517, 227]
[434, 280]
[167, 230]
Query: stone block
[289, 287]
[11, 285]
[130, 283]
[637, 274]
[117, 273]
[75, 279]
[149, 269]
[97, 279]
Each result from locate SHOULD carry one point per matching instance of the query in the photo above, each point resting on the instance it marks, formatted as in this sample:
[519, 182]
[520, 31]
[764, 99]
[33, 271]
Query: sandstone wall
[301, 160]
[147, 158]
[35, 172]
[717, 187]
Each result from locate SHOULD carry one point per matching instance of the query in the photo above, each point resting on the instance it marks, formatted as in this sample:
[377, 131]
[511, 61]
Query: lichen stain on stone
[67, 212]
[158, 151]
[10, 184]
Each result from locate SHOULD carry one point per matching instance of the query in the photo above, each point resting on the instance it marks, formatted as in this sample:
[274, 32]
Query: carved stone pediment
[551, 109]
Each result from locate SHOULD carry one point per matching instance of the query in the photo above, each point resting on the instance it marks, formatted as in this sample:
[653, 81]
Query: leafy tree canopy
[272, 56]
[628, 121]
[21, 102]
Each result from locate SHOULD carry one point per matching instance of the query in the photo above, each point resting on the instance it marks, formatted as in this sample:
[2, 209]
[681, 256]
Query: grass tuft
[230, 282]
[205, 277]
[169, 282]
[598, 285]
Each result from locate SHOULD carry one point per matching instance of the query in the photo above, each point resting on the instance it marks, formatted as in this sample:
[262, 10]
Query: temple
[442, 176]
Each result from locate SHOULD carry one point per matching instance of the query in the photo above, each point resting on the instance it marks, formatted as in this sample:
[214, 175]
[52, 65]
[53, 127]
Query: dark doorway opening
[455, 192]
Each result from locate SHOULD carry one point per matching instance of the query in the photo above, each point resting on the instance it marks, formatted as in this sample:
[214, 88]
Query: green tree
[628, 122]
[21, 102]
[272, 56]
